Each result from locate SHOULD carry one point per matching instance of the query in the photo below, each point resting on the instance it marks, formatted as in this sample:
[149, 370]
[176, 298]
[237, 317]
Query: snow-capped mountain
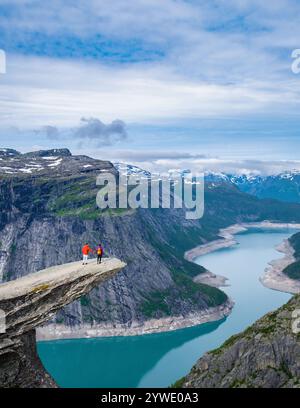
[129, 170]
[61, 161]
[284, 186]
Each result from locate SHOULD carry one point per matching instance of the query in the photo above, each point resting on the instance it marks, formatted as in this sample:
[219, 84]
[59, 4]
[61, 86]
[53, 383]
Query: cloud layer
[207, 59]
[90, 132]
[153, 62]
[196, 165]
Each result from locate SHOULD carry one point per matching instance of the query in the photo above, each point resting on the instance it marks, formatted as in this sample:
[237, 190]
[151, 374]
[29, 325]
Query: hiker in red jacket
[85, 252]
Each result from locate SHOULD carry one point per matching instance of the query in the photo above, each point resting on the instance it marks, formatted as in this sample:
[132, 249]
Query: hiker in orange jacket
[85, 252]
[99, 252]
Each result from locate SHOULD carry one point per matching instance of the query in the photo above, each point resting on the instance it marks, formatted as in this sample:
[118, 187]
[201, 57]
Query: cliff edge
[28, 302]
[266, 355]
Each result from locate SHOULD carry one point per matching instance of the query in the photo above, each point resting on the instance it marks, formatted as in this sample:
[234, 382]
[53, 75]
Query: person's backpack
[99, 251]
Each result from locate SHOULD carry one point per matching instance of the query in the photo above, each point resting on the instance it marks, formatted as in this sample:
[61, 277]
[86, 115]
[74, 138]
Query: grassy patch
[190, 290]
[13, 249]
[295, 242]
[85, 300]
[174, 255]
[78, 199]
[160, 303]
[293, 270]
[237, 383]
[155, 304]
[178, 384]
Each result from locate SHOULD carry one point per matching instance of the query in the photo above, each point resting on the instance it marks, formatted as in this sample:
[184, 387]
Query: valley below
[160, 359]
[174, 298]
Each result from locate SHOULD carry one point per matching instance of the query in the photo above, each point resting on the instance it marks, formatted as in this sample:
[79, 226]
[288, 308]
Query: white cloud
[225, 58]
[163, 160]
[40, 91]
[90, 131]
[257, 167]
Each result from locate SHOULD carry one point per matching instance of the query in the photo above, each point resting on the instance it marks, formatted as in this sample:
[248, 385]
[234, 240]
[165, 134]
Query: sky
[157, 83]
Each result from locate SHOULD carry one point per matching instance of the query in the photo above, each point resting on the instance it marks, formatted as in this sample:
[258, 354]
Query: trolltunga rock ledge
[29, 302]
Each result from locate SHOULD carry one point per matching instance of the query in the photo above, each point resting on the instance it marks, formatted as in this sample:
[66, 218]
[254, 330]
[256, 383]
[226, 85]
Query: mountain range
[48, 209]
[284, 186]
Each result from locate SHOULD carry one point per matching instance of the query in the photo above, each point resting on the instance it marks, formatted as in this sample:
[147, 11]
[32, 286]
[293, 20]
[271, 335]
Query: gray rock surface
[47, 215]
[48, 210]
[30, 301]
[266, 355]
[48, 162]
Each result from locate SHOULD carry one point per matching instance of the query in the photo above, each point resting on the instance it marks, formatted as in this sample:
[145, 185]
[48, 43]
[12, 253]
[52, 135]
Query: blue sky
[156, 83]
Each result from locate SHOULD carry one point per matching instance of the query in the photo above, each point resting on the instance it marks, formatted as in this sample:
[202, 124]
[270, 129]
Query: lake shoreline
[274, 279]
[226, 240]
[61, 332]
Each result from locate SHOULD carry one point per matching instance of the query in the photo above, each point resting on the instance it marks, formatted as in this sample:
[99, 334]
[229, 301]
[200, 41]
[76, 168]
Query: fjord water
[157, 360]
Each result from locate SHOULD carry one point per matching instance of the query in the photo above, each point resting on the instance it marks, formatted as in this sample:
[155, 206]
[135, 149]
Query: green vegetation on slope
[295, 242]
[170, 236]
[78, 199]
[173, 249]
[161, 303]
[265, 355]
[293, 270]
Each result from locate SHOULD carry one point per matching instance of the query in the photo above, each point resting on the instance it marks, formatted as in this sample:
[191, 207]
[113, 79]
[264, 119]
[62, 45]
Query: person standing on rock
[85, 252]
[99, 252]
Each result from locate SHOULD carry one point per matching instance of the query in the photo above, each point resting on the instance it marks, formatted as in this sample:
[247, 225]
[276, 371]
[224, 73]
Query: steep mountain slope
[293, 270]
[27, 303]
[47, 213]
[284, 186]
[266, 355]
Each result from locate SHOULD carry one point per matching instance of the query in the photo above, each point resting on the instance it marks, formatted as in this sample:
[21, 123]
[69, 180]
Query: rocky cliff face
[266, 355]
[47, 215]
[49, 210]
[29, 302]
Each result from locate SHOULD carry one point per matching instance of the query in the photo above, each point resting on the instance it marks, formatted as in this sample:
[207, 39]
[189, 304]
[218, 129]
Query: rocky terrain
[266, 355]
[284, 186]
[48, 162]
[47, 214]
[48, 211]
[30, 301]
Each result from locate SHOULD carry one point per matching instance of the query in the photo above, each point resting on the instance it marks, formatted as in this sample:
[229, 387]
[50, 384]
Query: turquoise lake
[158, 360]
